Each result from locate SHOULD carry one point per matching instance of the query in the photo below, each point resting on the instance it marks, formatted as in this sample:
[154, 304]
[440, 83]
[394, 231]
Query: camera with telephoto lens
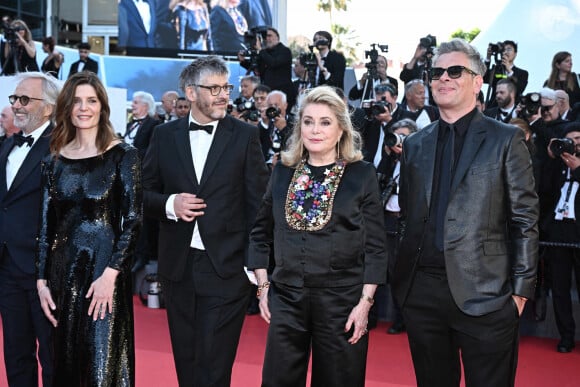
[531, 103]
[394, 139]
[272, 112]
[561, 145]
[429, 42]
[250, 45]
[373, 108]
[247, 109]
[321, 42]
[9, 33]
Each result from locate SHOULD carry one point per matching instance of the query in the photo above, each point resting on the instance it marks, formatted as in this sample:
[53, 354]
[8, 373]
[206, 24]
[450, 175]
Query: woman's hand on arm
[46, 302]
[101, 291]
[359, 316]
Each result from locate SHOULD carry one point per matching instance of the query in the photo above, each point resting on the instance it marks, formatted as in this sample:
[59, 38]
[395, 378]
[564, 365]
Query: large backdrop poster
[165, 27]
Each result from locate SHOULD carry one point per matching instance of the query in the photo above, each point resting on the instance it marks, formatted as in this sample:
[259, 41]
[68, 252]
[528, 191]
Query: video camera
[428, 42]
[308, 59]
[373, 108]
[373, 54]
[531, 103]
[250, 45]
[10, 33]
[497, 50]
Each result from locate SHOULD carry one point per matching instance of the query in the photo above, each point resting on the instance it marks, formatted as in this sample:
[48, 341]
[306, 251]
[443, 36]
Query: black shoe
[565, 346]
[396, 328]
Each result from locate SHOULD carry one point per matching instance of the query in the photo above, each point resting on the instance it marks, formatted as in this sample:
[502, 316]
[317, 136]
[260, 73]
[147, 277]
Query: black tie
[194, 126]
[445, 176]
[321, 79]
[20, 139]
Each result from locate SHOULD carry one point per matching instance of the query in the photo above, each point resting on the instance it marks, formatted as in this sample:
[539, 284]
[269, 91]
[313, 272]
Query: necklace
[304, 187]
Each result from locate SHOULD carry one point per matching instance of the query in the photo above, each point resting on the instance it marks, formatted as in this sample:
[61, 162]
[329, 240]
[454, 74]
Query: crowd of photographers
[550, 118]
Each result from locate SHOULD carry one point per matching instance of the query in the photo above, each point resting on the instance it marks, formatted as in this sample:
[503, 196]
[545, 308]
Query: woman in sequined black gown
[91, 215]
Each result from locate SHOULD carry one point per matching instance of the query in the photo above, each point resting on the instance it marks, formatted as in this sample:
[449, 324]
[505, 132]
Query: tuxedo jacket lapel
[473, 140]
[221, 139]
[428, 149]
[183, 146]
[32, 160]
[6, 148]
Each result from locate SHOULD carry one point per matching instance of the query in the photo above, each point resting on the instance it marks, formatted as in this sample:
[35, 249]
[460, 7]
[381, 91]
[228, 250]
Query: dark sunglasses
[454, 72]
[24, 99]
[547, 108]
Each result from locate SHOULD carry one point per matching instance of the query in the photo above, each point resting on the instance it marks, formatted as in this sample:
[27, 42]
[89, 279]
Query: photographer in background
[245, 101]
[559, 189]
[388, 173]
[376, 75]
[419, 65]
[504, 54]
[274, 64]
[279, 127]
[19, 54]
[331, 64]
[382, 113]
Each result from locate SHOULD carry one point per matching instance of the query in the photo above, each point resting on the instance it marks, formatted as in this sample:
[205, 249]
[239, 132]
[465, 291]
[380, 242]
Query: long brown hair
[554, 77]
[64, 131]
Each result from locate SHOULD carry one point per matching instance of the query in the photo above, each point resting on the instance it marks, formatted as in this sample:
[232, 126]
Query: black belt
[396, 214]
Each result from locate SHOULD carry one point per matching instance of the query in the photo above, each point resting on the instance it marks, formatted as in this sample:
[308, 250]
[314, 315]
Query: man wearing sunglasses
[203, 179]
[469, 247]
[26, 330]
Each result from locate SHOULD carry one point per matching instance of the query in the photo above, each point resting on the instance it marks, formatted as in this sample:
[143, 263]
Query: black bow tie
[20, 139]
[207, 128]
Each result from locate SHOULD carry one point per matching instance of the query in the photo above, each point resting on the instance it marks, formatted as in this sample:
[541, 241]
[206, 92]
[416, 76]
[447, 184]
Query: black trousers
[562, 261]
[205, 315]
[26, 330]
[440, 333]
[313, 318]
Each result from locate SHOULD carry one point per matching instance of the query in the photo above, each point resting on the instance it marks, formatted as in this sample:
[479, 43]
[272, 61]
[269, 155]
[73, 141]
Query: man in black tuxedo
[23, 322]
[469, 250]
[418, 67]
[203, 179]
[84, 63]
[331, 64]
[505, 97]
[414, 103]
[274, 65]
[364, 87]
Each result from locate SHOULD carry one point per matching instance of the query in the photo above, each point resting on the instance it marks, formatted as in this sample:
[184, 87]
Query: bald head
[7, 121]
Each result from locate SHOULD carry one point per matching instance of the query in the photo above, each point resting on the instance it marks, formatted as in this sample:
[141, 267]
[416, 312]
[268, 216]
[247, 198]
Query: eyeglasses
[216, 89]
[547, 108]
[454, 72]
[24, 99]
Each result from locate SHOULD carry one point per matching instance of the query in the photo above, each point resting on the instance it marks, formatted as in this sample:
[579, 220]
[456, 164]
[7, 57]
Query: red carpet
[389, 360]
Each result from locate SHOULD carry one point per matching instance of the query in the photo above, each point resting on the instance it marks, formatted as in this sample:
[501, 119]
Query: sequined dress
[91, 216]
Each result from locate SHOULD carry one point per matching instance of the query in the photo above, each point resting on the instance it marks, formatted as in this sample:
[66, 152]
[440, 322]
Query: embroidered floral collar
[304, 187]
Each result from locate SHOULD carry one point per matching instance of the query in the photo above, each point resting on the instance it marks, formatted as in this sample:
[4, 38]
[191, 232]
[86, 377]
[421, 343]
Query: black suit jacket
[335, 63]
[233, 182]
[19, 218]
[491, 231]
[90, 65]
[143, 136]
[349, 250]
[226, 37]
[520, 76]
[372, 132]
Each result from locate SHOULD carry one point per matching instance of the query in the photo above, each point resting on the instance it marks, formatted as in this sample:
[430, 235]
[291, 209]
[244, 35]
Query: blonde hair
[349, 144]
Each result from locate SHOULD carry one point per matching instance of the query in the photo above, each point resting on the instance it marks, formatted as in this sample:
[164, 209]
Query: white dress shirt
[19, 153]
[145, 12]
[200, 141]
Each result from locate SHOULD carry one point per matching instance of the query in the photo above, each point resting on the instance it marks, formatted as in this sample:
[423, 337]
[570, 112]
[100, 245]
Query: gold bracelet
[368, 299]
[261, 287]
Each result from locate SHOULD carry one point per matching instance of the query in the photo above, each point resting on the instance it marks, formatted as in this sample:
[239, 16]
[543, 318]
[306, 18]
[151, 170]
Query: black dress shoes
[565, 346]
[396, 328]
